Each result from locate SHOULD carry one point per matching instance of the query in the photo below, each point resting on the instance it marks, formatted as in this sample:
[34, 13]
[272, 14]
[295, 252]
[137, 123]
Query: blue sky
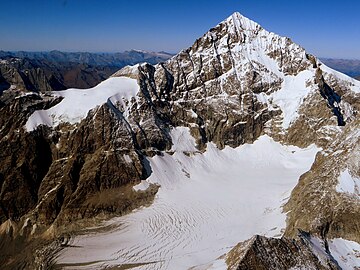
[324, 28]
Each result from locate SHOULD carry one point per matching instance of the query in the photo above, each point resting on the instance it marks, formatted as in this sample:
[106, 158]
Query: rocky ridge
[21, 75]
[53, 71]
[234, 84]
[264, 253]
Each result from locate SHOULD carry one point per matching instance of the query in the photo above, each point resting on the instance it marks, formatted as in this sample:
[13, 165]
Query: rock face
[263, 253]
[236, 82]
[317, 193]
[19, 75]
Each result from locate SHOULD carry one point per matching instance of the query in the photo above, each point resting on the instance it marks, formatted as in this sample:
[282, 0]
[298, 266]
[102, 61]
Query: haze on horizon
[324, 28]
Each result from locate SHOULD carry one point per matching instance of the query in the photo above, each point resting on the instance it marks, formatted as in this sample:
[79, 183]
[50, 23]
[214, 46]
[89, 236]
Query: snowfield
[348, 184]
[77, 103]
[346, 253]
[290, 96]
[207, 203]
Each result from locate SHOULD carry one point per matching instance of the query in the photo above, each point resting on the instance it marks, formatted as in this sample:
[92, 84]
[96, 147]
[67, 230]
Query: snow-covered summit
[241, 22]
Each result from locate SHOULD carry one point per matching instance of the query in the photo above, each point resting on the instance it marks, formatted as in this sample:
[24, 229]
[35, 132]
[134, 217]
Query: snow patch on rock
[348, 183]
[289, 98]
[142, 186]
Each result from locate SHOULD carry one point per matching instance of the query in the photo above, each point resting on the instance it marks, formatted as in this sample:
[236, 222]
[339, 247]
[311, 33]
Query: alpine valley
[240, 152]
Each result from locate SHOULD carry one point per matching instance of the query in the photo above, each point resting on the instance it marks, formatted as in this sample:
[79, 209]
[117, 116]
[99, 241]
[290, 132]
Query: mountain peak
[240, 22]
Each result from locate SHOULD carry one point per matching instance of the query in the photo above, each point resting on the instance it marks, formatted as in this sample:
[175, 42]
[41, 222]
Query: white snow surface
[289, 98]
[77, 103]
[219, 264]
[142, 186]
[291, 95]
[182, 140]
[348, 183]
[318, 248]
[346, 253]
[207, 203]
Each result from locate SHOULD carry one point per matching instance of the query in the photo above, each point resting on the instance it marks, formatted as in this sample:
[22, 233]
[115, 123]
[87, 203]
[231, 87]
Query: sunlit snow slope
[206, 204]
[346, 253]
[76, 103]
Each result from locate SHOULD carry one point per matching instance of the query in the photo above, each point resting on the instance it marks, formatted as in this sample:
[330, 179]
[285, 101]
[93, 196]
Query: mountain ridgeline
[350, 67]
[73, 159]
[55, 70]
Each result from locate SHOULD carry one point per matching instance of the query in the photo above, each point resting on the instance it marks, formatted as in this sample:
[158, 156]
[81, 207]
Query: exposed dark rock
[331, 96]
[262, 253]
[315, 196]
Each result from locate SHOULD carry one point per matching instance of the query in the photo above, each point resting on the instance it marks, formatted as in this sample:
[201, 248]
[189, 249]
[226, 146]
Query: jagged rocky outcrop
[261, 253]
[235, 83]
[22, 75]
[315, 196]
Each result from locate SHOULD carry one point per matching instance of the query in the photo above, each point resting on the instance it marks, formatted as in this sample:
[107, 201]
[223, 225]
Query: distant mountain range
[55, 70]
[350, 67]
[118, 60]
